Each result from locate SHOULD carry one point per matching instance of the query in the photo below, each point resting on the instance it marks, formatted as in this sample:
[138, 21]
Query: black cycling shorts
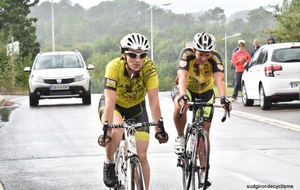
[137, 112]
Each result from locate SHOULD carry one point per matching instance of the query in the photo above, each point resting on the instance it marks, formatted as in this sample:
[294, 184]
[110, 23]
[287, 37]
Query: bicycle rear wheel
[135, 175]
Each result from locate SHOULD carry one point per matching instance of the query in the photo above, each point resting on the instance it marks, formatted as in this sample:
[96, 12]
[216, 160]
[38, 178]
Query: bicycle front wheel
[195, 165]
[135, 175]
[204, 167]
[200, 181]
[120, 171]
[185, 161]
[186, 166]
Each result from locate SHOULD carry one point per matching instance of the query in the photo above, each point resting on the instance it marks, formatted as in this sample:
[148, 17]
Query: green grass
[229, 92]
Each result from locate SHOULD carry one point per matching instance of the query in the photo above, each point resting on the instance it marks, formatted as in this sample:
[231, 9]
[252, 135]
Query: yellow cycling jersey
[130, 91]
[200, 76]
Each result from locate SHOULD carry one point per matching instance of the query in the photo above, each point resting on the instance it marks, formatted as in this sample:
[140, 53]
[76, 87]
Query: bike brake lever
[180, 112]
[182, 108]
[105, 128]
[226, 112]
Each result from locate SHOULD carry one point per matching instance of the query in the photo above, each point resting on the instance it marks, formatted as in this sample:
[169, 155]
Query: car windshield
[286, 55]
[58, 61]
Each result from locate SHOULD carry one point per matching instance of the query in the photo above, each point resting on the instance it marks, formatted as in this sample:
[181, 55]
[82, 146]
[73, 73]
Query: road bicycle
[127, 163]
[196, 138]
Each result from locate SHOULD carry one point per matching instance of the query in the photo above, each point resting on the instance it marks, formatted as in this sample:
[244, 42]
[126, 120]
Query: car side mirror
[90, 67]
[27, 69]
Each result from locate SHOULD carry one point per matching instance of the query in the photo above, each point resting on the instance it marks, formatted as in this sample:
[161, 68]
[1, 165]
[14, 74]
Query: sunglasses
[134, 55]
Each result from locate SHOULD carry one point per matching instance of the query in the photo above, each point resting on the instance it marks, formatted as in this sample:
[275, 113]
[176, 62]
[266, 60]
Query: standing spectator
[255, 46]
[232, 65]
[233, 51]
[239, 58]
[271, 40]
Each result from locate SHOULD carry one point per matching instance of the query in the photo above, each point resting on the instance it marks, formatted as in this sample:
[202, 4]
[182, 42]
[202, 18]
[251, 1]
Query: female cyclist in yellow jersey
[199, 68]
[127, 81]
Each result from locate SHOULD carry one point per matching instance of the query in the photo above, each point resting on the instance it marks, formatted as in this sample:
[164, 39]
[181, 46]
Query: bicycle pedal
[180, 161]
[179, 165]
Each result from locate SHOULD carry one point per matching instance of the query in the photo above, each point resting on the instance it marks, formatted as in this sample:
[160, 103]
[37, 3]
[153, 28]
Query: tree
[260, 19]
[214, 17]
[15, 23]
[288, 21]
[96, 32]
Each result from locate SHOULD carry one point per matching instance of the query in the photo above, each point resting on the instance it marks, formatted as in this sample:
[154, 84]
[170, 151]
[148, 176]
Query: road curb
[278, 123]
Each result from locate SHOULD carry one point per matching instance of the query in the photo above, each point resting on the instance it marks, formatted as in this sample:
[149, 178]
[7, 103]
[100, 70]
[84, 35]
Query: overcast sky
[188, 6]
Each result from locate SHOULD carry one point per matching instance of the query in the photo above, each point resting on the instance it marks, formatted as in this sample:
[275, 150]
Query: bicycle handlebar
[130, 123]
[200, 104]
[197, 104]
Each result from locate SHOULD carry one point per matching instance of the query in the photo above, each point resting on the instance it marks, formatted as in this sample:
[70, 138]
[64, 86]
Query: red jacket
[239, 58]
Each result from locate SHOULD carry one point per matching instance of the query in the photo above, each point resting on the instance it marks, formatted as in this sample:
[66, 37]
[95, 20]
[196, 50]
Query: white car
[60, 74]
[272, 75]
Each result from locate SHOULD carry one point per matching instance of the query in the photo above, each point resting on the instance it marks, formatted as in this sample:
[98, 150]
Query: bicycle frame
[195, 131]
[128, 166]
[126, 154]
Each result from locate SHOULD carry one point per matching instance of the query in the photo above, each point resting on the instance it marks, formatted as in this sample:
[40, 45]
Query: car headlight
[80, 78]
[37, 79]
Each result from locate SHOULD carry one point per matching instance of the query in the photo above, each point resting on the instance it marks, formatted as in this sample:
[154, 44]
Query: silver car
[60, 74]
[272, 75]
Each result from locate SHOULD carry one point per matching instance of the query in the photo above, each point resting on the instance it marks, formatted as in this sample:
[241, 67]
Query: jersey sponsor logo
[182, 63]
[194, 87]
[111, 83]
[220, 66]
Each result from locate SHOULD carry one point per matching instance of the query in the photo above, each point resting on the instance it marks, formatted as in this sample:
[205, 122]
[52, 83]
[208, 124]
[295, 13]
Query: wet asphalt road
[54, 146]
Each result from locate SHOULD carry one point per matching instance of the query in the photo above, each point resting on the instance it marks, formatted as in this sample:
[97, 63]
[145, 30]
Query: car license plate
[60, 87]
[294, 84]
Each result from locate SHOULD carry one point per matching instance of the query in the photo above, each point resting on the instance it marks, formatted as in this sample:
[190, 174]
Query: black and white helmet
[204, 42]
[135, 41]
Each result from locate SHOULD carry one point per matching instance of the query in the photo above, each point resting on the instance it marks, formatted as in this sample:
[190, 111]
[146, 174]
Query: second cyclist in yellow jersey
[199, 69]
[199, 78]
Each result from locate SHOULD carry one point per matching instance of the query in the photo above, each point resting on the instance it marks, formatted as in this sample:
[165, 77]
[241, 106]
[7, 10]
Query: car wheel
[246, 101]
[265, 103]
[86, 99]
[33, 100]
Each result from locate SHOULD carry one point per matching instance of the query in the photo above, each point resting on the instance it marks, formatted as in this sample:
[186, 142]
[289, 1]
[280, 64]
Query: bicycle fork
[121, 166]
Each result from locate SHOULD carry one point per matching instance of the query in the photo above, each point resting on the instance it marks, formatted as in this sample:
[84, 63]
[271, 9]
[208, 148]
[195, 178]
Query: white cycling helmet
[204, 42]
[135, 41]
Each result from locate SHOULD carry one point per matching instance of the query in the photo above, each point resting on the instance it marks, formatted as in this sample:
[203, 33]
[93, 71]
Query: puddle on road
[5, 113]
